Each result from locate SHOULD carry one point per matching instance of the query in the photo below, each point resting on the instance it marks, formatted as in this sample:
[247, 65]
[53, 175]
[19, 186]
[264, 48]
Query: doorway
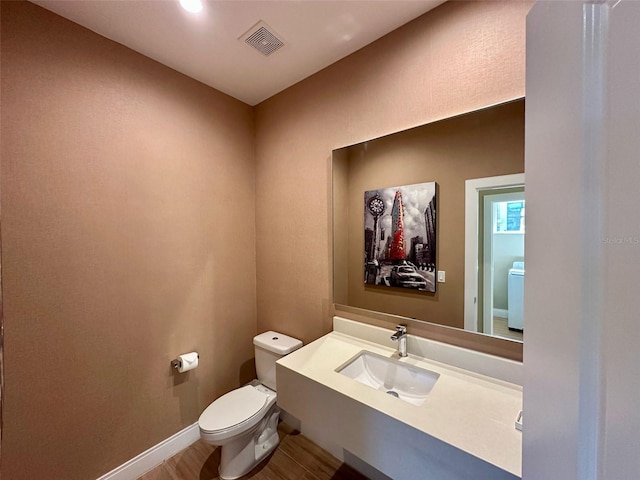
[476, 190]
[501, 262]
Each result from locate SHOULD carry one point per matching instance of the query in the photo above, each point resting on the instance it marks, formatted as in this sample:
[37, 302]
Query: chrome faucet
[401, 337]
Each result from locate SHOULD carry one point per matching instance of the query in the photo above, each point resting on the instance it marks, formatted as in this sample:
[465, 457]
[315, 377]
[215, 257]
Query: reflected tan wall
[486, 143]
[459, 57]
[340, 217]
[128, 237]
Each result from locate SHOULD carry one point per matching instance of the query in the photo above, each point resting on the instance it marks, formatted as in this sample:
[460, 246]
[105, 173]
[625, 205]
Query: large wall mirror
[478, 154]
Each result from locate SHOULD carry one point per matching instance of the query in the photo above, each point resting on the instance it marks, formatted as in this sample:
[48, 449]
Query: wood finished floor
[501, 329]
[295, 458]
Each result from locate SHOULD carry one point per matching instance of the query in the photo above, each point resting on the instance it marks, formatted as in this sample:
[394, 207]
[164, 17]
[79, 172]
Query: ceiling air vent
[262, 38]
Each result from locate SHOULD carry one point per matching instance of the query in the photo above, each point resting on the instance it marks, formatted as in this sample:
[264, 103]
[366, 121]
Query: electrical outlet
[441, 276]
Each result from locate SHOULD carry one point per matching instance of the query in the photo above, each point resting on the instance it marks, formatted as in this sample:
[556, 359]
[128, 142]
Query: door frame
[473, 187]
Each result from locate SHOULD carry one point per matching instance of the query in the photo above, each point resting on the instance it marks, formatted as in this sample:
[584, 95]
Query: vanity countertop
[472, 412]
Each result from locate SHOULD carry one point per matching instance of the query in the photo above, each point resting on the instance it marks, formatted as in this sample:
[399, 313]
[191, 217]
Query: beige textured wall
[457, 58]
[128, 237]
[486, 143]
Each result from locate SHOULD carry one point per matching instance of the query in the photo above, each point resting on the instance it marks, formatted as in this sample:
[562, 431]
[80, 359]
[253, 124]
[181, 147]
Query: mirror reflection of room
[501, 307]
[480, 144]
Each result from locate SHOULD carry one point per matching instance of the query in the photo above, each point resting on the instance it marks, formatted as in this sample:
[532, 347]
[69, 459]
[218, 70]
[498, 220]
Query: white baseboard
[499, 312]
[153, 457]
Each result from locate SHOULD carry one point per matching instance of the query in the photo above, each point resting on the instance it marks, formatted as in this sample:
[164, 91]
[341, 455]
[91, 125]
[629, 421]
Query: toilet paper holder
[176, 363]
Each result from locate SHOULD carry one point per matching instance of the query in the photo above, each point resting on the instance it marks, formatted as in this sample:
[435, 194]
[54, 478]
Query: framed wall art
[400, 237]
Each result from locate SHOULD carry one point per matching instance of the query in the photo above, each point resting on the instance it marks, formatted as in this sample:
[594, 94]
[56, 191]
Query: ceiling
[209, 46]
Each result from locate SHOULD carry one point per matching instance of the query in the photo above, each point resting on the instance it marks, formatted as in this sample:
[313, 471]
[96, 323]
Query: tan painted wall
[486, 143]
[460, 57]
[128, 237]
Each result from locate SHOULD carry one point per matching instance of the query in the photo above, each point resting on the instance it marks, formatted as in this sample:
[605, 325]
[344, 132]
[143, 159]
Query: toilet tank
[269, 347]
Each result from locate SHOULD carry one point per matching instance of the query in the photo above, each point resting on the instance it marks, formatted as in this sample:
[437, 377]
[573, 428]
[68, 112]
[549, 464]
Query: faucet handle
[401, 332]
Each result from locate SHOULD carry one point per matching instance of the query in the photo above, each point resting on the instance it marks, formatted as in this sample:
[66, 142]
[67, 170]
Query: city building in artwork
[416, 246]
[369, 244]
[397, 249]
[386, 249]
[430, 227]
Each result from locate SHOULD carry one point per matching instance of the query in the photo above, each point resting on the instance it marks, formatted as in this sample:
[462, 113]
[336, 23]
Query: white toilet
[244, 421]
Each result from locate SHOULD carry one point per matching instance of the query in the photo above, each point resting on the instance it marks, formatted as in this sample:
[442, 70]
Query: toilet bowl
[244, 421]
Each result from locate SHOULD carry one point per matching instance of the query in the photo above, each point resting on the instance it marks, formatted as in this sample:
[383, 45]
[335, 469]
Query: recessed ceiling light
[191, 6]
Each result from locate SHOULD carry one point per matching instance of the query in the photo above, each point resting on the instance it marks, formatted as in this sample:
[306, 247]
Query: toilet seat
[238, 409]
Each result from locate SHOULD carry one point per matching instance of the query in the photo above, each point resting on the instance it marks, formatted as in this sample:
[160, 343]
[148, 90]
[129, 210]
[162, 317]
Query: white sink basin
[406, 382]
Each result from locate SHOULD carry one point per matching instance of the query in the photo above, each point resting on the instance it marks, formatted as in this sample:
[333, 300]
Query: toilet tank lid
[277, 342]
